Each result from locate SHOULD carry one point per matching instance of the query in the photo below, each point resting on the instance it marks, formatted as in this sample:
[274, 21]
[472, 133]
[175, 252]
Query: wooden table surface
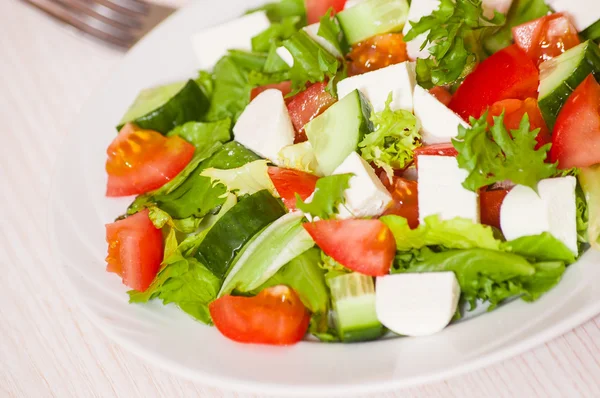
[48, 348]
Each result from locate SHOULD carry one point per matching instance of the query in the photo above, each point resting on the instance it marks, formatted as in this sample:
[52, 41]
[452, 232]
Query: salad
[347, 169]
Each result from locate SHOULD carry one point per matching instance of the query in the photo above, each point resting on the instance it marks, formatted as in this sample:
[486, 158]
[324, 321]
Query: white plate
[170, 339]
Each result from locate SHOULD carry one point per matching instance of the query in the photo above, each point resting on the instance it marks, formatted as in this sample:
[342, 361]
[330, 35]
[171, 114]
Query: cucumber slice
[373, 17]
[592, 32]
[163, 108]
[560, 76]
[353, 297]
[235, 229]
[336, 133]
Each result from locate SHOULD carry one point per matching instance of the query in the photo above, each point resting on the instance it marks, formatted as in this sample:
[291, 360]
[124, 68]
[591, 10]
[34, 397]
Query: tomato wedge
[284, 87]
[509, 73]
[315, 9]
[142, 160]
[441, 94]
[289, 182]
[490, 202]
[445, 149]
[514, 110]
[307, 105]
[546, 37]
[576, 135]
[365, 246]
[377, 52]
[135, 250]
[275, 316]
[406, 199]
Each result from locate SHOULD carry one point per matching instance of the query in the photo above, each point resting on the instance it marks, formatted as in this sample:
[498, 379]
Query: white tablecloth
[47, 346]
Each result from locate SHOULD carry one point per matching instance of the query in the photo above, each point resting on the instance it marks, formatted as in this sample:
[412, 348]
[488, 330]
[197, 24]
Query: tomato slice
[445, 149]
[365, 246]
[377, 52]
[135, 250]
[514, 110]
[315, 9]
[406, 199]
[275, 316]
[142, 160]
[289, 182]
[284, 87]
[576, 135]
[509, 73]
[490, 202]
[546, 37]
[307, 105]
[441, 94]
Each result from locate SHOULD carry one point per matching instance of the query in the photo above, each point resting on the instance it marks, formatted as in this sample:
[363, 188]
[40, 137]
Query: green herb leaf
[329, 29]
[391, 145]
[203, 134]
[278, 11]
[494, 155]
[275, 34]
[328, 195]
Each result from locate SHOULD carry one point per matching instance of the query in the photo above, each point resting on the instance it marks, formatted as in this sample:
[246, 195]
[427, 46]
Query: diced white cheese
[418, 9]
[441, 191]
[417, 304]
[285, 55]
[582, 13]
[352, 3]
[265, 126]
[212, 43]
[438, 122]
[313, 32]
[558, 195]
[523, 213]
[376, 86]
[489, 6]
[366, 196]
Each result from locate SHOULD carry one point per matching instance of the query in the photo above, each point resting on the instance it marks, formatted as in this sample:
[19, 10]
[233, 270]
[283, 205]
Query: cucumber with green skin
[560, 76]
[235, 229]
[592, 32]
[163, 108]
[373, 17]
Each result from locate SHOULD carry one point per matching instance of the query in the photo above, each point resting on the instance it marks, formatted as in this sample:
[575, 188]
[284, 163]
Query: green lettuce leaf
[206, 83]
[275, 34]
[328, 195]
[161, 218]
[275, 64]
[245, 180]
[456, 31]
[203, 134]
[589, 178]
[458, 233]
[230, 156]
[391, 145]
[493, 154]
[330, 30]
[278, 11]
[248, 60]
[300, 157]
[543, 247]
[547, 275]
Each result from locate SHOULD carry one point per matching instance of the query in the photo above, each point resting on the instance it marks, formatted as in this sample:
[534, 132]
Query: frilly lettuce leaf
[300, 157]
[328, 195]
[246, 180]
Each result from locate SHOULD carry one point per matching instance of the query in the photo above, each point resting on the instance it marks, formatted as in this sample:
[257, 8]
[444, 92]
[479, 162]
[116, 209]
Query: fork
[118, 22]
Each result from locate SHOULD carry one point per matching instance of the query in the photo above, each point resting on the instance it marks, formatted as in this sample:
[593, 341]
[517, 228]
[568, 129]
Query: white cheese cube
[376, 86]
[523, 213]
[438, 122]
[419, 304]
[418, 9]
[582, 13]
[559, 198]
[212, 43]
[265, 126]
[352, 3]
[313, 32]
[366, 196]
[285, 55]
[489, 6]
[441, 191]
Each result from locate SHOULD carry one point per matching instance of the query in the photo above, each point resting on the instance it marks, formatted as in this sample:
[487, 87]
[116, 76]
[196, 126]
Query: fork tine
[101, 13]
[132, 5]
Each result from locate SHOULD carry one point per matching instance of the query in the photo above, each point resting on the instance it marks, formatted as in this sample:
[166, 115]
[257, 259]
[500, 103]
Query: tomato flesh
[135, 250]
[289, 182]
[142, 160]
[365, 246]
[377, 52]
[275, 316]
[546, 37]
[285, 88]
[445, 149]
[576, 135]
[490, 202]
[307, 105]
[315, 9]
[514, 110]
[441, 94]
[405, 194]
[509, 73]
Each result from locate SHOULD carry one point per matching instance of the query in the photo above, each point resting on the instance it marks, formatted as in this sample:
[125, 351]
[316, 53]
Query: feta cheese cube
[376, 86]
[418, 9]
[285, 55]
[438, 122]
[583, 13]
[524, 212]
[441, 191]
[313, 32]
[489, 6]
[212, 43]
[265, 126]
[366, 196]
[419, 304]
[352, 3]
